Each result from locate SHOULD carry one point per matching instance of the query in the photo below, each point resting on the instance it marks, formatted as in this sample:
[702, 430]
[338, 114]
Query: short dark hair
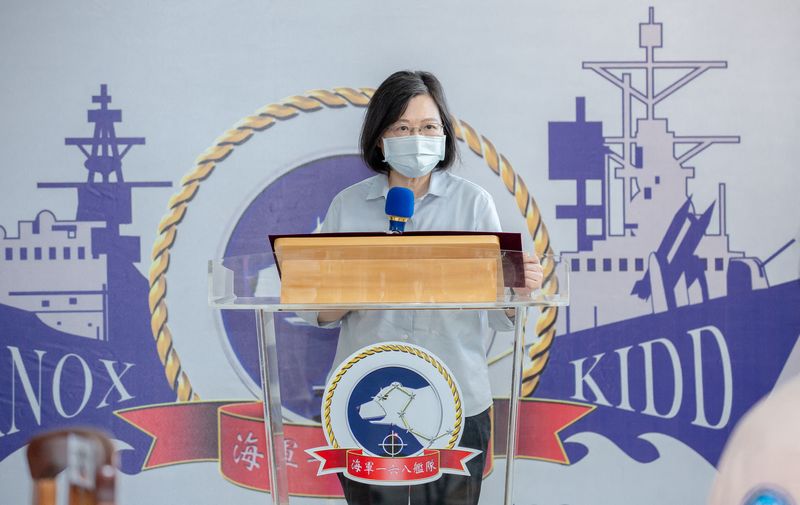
[388, 104]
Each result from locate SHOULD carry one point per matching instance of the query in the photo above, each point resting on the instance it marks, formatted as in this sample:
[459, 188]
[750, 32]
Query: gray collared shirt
[456, 337]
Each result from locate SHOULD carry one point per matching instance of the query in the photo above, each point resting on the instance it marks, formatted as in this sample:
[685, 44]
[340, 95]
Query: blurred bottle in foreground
[72, 467]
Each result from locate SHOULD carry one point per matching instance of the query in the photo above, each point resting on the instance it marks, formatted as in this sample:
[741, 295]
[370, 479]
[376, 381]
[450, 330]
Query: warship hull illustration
[64, 264]
[669, 330]
[73, 307]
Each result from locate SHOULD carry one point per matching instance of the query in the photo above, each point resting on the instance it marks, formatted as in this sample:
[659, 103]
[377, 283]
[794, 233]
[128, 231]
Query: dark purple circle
[291, 204]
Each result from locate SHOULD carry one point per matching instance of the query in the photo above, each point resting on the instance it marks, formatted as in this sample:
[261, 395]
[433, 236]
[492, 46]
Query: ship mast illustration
[89, 299]
[103, 157]
[641, 247]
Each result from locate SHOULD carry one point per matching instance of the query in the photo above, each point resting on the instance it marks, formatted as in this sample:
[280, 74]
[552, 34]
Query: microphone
[399, 208]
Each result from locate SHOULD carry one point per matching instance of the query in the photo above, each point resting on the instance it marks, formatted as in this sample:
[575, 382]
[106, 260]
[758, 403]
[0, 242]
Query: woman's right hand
[330, 316]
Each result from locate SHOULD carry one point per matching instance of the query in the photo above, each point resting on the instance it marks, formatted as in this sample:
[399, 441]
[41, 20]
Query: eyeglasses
[429, 129]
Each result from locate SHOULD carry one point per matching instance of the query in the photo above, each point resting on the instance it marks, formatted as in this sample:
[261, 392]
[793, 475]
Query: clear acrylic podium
[253, 283]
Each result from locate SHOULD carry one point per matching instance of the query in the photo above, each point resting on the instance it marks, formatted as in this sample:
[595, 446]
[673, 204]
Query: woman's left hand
[534, 273]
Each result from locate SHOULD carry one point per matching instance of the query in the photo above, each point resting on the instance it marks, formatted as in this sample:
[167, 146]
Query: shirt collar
[380, 185]
[438, 186]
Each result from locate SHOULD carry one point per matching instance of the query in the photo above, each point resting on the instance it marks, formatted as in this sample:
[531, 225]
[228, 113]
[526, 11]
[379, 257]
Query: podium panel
[407, 401]
[389, 269]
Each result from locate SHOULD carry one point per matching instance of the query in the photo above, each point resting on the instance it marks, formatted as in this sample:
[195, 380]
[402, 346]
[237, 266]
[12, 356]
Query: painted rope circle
[263, 119]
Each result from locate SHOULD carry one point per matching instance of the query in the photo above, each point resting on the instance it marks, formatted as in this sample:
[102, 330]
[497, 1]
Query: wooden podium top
[389, 268]
[386, 247]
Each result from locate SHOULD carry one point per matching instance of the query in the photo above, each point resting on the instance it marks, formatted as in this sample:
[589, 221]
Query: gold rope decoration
[326, 404]
[288, 108]
[539, 351]
[204, 165]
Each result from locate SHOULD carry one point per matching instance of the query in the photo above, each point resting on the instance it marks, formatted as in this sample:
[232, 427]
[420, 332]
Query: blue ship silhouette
[665, 319]
[72, 300]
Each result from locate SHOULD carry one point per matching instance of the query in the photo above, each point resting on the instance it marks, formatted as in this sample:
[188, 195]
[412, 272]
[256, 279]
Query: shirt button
[404, 336]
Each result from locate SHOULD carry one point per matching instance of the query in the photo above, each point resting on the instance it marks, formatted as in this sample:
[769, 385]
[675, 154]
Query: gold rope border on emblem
[326, 402]
[288, 108]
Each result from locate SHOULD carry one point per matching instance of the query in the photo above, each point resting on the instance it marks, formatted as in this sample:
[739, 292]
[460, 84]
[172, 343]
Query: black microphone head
[399, 207]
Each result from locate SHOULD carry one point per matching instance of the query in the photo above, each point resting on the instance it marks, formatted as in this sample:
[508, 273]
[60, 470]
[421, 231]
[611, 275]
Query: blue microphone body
[399, 208]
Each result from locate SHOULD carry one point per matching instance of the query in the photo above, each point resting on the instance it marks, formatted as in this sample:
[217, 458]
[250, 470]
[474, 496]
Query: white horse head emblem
[417, 411]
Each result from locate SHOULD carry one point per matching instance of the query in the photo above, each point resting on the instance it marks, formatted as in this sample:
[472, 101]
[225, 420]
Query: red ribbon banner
[393, 471]
[232, 433]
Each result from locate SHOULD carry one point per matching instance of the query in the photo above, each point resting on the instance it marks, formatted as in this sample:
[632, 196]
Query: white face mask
[413, 156]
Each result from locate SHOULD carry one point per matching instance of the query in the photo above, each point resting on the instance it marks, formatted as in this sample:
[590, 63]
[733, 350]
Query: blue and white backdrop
[652, 141]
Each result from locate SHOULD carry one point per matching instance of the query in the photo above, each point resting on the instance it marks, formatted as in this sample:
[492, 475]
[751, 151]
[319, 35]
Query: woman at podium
[407, 138]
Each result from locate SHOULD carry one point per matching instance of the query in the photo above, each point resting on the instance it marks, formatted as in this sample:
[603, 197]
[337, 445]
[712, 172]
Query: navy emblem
[392, 415]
